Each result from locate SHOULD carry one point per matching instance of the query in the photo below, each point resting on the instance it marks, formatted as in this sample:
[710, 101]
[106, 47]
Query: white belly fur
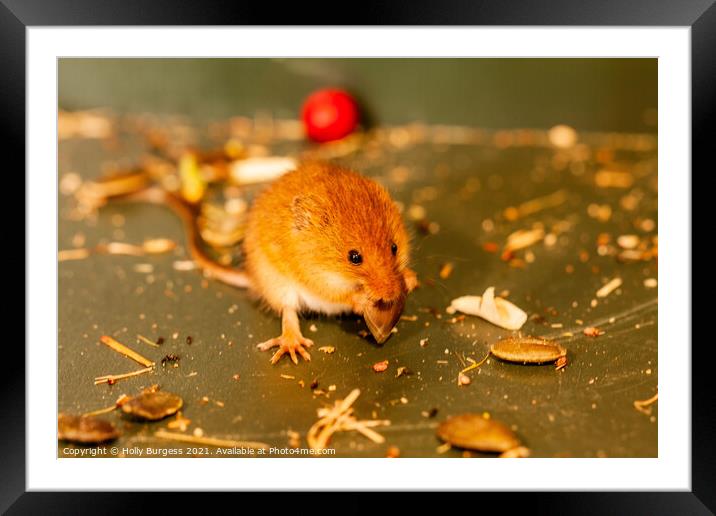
[315, 304]
[283, 292]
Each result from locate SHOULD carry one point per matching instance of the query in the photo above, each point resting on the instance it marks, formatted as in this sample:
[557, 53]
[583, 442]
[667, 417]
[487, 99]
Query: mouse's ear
[307, 212]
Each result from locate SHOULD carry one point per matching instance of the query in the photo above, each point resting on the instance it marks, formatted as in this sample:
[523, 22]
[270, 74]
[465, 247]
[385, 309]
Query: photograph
[382, 257]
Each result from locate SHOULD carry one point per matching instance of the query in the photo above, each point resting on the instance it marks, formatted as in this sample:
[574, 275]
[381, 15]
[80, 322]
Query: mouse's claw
[288, 344]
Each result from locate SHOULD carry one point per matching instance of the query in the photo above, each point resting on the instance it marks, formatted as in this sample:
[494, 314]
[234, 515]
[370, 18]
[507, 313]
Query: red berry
[329, 114]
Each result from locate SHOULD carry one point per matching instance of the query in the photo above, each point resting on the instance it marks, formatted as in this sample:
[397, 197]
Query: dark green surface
[592, 94]
[585, 410]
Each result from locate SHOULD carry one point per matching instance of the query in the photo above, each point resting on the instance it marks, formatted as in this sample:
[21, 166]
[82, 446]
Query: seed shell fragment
[496, 310]
[153, 406]
[527, 350]
[85, 429]
[474, 432]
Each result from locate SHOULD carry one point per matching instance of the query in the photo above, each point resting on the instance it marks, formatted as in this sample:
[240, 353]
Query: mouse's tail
[188, 215]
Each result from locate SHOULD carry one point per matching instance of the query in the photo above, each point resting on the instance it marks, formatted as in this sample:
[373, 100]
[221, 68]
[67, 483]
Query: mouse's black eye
[355, 257]
[394, 248]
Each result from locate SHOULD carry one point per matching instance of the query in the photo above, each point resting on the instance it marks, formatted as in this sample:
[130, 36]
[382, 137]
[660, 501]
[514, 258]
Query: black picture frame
[17, 15]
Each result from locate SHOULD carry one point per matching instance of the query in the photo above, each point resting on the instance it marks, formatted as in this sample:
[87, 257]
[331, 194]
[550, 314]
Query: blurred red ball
[329, 114]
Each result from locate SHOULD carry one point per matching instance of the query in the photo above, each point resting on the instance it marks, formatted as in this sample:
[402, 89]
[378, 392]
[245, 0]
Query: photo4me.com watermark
[183, 451]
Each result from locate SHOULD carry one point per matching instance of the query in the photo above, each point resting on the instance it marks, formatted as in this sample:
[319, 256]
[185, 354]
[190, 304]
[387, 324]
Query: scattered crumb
[628, 241]
[403, 371]
[393, 452]
[379, 367]
[179, 423]
[294, 439]
[609, 287]
[593, 331]
[561, 363]
[443, 448]
[519, 452]
[446, 270]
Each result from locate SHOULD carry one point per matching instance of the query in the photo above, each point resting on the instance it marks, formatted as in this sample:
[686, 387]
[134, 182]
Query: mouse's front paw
[288, 344]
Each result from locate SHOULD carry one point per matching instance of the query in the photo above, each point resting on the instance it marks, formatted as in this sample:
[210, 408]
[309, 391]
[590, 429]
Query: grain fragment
[613, 179]
[446, 270]
[158, 245]
[593, 331]
[527, 350]
[474, 432]
[533, 206]
[628, 241]
[609, 287]
[403, 371]
[179, 423]
[523, 238]
[72, 254]
[260, 169]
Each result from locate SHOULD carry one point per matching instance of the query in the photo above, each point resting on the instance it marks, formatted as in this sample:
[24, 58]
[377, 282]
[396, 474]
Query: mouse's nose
[382, 316]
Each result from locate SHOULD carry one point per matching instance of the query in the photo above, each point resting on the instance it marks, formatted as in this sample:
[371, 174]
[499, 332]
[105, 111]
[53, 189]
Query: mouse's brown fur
[306, 223]
[299, 234]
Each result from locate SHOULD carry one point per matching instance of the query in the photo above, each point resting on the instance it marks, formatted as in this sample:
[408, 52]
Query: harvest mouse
[321, 239]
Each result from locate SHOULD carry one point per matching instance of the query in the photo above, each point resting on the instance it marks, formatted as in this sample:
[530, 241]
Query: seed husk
[152, 406]
[527, 350]
[85, 429]
[496, 310]
[474, 432]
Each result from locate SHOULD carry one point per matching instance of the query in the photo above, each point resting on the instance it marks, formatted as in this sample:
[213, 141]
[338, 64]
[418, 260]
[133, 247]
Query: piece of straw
[111, 378]
[124, 350]
[209, 441]
[147, 341]
[340, 418]
[644, 405]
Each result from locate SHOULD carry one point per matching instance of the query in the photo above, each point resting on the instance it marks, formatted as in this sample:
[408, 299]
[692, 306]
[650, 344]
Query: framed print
[326, 257]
